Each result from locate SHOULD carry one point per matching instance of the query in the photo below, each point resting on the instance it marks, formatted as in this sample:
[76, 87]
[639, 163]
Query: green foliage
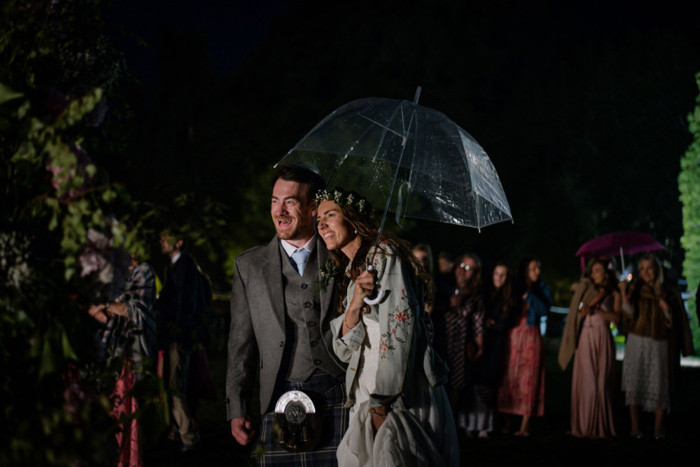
[58, 232]
[689, 185]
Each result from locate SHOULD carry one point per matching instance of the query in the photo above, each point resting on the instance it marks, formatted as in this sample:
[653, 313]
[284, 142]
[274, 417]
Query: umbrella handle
[380, 293]
[377, 299]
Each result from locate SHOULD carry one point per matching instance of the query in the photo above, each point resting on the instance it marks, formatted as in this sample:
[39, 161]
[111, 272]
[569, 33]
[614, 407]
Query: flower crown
[343, 198]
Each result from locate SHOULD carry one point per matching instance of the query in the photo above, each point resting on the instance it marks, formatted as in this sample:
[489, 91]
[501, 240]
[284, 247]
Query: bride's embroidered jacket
[404, 346]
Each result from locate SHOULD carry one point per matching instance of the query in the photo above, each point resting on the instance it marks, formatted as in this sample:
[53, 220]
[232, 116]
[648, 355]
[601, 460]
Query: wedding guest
[444, 281]
[129, 334]
[424, 255]
[648, 305]
[522, 389]
[595, 305]
[500, 304]
[185, 295]
[464, 323]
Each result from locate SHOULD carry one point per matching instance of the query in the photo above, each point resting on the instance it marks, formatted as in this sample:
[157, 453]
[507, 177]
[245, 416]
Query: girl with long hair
[464, 324]
[500, 304]
[645, 370]
[522, 389]
[594, 361]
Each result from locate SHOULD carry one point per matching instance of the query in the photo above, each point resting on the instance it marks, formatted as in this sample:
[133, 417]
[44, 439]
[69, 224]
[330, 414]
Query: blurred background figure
[464, 324]
[522, 388]
[446, 263]
[596, 303]
[652, 309]
[424, 255]
[444, 286]
[500, 304]
[129, 333]
[186, 294]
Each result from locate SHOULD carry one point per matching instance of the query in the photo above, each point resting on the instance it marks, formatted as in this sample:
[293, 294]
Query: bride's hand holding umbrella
[364, 287]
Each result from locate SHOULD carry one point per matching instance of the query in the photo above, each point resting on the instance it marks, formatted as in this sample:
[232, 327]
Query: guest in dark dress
[444, 285]
[464, 323]
[500, 303]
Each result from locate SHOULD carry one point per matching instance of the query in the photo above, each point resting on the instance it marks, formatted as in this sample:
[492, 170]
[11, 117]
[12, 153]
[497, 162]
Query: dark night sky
[232, 28]
[566, 97]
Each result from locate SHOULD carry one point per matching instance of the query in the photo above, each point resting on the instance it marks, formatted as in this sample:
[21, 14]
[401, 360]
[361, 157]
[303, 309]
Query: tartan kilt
[334, 423]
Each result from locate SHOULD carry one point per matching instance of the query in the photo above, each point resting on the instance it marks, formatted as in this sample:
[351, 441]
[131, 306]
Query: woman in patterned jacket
[400, 414]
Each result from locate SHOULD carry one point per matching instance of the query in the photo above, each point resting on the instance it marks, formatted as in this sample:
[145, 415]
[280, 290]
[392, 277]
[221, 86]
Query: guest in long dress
[597, 304]
[500, 304]
[129, 333]
[400, 413]
[522, 388]
[464, 323]
[645, 370]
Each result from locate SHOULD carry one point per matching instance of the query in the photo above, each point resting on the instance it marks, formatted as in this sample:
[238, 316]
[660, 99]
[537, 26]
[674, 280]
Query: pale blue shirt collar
[176, 257]
[290, 249]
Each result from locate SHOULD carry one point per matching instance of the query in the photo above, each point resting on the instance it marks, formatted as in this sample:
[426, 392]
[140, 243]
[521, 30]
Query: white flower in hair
[339, 198]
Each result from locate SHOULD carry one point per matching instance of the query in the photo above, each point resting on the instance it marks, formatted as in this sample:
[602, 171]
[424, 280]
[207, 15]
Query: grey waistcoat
[303, 308]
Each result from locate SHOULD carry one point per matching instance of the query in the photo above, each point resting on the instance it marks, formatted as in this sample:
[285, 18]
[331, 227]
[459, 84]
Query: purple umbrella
[622, 243]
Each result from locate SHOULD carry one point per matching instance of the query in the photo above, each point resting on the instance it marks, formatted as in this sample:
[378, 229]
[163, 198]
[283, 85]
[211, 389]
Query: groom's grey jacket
[260, 334]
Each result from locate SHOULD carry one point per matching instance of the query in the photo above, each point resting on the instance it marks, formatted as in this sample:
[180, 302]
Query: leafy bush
[690, 197]
[60, 243]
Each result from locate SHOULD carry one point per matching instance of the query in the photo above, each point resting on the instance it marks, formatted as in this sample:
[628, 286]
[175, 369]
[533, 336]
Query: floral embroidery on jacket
[399, 326]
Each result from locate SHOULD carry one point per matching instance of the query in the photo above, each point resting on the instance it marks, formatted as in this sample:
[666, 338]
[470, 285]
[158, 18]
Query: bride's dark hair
[368, 229]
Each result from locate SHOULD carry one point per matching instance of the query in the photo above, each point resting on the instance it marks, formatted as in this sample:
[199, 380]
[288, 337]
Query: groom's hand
[242, 430]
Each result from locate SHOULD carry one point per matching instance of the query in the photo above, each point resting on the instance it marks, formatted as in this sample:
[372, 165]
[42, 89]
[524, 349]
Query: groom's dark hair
[296, 173]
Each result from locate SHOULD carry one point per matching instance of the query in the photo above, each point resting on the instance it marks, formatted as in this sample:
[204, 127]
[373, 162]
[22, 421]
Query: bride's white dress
[422, 435]
[389, 358]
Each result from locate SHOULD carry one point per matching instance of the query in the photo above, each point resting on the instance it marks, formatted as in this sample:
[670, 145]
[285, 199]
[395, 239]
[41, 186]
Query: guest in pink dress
[522, 389]
[594, 364]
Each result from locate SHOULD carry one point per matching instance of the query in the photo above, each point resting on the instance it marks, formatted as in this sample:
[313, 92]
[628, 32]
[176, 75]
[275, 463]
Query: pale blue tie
[300, 257]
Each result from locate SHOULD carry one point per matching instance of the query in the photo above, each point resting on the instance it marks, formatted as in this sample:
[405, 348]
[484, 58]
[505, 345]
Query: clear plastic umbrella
[410, 159]
[413, 160]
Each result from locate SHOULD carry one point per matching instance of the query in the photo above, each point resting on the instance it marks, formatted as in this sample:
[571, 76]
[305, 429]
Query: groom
[280, 326]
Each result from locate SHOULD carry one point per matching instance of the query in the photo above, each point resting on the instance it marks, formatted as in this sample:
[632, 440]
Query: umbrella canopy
[411, 159]
[622, 243]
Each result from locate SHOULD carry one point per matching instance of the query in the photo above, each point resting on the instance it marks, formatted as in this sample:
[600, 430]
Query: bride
[400, 414]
